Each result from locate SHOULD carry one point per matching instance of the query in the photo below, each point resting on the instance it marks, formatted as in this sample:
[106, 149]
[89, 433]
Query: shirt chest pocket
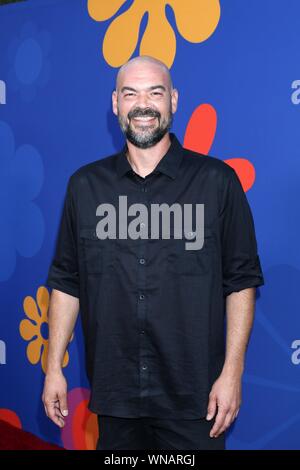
[93, 251]
[191, 262]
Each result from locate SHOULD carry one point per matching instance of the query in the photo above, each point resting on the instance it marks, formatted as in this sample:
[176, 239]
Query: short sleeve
[63, 271]
[240, 260]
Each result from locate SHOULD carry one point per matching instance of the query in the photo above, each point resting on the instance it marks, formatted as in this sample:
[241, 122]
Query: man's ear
[174, 100]
[114, 99]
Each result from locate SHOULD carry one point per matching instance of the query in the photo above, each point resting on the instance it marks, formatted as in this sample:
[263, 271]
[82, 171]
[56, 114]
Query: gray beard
[147, 139]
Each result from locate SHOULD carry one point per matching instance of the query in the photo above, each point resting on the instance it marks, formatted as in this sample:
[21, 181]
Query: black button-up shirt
[153, 312]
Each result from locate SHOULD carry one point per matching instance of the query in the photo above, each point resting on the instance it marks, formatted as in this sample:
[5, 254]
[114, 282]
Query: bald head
[145, 63]
[144, 101]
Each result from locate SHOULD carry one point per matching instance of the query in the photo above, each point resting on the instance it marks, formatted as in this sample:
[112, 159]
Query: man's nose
[143, 100]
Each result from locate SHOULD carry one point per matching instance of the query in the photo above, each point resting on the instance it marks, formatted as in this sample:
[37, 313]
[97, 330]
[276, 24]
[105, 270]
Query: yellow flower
[196, 20]
[34, 329]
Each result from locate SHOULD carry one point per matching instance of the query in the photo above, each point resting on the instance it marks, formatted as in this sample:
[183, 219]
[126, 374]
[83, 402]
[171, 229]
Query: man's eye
[156, 93]
[129, 94]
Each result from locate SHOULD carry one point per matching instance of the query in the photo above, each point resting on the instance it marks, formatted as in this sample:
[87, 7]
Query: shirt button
[190, 234]
[142, 332]
[141, 297]
[142, 261]
[144, 366]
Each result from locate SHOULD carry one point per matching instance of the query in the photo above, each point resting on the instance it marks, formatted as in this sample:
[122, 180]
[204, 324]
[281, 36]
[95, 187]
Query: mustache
[146, 112]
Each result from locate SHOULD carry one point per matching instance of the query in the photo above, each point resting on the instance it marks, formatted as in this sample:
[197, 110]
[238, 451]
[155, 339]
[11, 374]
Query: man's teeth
[144, 118]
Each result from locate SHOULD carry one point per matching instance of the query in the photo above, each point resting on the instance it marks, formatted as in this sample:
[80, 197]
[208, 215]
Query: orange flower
[200, 134]
[34, 329]
[196, 20]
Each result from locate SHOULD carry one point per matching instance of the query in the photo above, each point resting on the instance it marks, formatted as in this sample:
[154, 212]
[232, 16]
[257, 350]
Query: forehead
[143, 75]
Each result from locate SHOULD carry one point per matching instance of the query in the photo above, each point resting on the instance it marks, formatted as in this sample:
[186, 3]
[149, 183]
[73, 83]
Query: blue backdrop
[239, 68]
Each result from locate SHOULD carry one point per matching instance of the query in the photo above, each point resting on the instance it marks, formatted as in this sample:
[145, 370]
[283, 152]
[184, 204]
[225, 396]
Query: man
[153, 307]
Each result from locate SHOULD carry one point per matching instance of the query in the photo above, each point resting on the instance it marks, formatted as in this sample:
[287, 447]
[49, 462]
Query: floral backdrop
[235, 64]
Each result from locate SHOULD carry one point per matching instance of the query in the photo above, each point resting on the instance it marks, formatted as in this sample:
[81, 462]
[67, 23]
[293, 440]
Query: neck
[143, 161]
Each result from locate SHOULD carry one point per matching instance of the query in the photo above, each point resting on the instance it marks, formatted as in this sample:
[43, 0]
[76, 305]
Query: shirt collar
[168, 164]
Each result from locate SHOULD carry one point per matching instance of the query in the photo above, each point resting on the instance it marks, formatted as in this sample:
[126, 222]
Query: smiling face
[144, 102]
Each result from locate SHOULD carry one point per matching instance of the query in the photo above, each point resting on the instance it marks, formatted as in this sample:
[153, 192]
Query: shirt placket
[142, 305]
